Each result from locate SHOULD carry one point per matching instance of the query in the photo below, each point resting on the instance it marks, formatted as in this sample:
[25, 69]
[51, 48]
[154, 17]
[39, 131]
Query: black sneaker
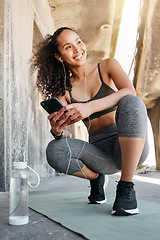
[97, 195]
[125, 202]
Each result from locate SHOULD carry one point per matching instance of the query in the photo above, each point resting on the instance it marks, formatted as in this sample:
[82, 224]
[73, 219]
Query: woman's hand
[77, 111]
[69, 114]
[58, 121]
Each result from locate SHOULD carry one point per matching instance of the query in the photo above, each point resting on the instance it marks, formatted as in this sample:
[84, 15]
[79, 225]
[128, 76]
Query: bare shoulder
[109, 64]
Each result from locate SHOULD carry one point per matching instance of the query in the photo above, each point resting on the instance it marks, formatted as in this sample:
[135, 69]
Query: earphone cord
[70, 151]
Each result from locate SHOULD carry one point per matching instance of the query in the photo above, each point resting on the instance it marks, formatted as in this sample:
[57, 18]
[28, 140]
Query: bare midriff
[101, 122]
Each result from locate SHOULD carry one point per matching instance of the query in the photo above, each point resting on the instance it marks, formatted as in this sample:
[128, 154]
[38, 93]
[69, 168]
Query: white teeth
[78, 57]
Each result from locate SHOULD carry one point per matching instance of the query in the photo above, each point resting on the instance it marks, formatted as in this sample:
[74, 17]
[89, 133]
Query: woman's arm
[122, 82]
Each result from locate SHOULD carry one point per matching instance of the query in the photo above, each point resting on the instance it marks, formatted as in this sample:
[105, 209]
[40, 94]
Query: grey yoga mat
[71, 210]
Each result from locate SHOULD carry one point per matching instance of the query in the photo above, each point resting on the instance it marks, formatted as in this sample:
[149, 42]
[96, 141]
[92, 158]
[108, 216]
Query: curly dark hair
[50, 72]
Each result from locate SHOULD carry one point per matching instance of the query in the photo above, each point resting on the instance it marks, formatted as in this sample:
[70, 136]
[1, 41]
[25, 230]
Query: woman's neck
[79, 74]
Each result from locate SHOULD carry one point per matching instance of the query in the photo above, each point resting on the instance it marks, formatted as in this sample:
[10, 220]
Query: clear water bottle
[18, 211]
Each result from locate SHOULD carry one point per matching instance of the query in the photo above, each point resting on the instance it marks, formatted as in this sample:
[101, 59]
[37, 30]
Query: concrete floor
[40, 227]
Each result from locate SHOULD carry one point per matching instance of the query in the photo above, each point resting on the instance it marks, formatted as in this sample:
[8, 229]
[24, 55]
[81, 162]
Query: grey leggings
[102, 154]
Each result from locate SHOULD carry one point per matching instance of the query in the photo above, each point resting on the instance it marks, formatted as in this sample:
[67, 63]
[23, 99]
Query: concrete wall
[148, 84]
[2, 147]
[147, 72]
[24, 129]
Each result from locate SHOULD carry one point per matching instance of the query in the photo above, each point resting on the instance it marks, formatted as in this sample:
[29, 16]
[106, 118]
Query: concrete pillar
[147, 69]
[2, 112]
[154, 116]
[14, 86]
[24, 128]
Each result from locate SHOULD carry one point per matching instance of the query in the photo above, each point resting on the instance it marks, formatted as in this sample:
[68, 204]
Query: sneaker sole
[98, 202]
[123, 212]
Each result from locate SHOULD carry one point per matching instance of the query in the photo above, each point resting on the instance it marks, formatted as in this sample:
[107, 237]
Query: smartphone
[52, 105]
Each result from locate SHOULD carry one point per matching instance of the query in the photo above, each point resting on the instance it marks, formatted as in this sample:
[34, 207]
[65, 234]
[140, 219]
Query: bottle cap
[19, 165]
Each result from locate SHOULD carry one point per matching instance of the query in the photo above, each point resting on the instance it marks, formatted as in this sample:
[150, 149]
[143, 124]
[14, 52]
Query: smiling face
[71, 48]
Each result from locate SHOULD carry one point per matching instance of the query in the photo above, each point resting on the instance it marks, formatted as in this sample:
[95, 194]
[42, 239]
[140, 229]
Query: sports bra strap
[99, 71]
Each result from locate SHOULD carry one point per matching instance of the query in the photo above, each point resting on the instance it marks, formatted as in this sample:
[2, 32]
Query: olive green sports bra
[104, 91]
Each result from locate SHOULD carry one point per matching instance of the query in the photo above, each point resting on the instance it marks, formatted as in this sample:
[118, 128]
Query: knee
[50, 151]
[133, 104]
[131, 117]
[60, 158]
[50, 147]
[54, 153]
[131, 100]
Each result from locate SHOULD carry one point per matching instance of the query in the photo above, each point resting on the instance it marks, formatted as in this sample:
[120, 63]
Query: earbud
[60, 59]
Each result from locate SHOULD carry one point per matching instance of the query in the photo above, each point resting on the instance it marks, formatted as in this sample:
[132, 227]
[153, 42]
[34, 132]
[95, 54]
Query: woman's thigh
[62, 155]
